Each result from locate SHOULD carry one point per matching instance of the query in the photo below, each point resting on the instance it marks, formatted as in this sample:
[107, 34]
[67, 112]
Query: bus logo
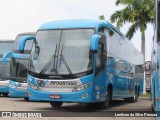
[63, 83]
[41, 83]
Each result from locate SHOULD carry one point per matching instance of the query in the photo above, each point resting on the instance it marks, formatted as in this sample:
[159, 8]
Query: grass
[146, 95]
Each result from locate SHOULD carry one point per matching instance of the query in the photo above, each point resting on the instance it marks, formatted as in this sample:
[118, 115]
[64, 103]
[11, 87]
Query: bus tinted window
[5, 47]
[16, 44]
[28, 45]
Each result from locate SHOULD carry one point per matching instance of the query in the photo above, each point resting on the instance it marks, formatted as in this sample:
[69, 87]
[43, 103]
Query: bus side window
[99, 55]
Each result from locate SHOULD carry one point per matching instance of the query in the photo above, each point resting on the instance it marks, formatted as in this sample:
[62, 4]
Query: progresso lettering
[63, 83]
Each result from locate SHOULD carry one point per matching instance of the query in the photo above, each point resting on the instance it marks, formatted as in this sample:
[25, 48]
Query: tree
[137, 12]
[101, 17]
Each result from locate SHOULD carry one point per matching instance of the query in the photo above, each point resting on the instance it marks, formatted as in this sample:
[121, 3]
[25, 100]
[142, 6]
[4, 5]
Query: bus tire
[154, 101]
[5, 94]
[56, 104]
[109, 96]
[152, 107]
[134, 98]
[26, 98]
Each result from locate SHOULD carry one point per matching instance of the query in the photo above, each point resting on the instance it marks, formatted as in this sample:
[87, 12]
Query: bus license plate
[55, 96]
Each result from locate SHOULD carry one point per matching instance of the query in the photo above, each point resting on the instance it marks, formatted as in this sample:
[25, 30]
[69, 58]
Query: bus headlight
[13, 84]
[32, 86]
[4, 84]
[81, 87]
[7, 84]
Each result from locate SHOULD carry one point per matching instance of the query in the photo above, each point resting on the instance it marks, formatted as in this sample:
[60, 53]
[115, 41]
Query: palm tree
[101, 17]
[139, 13]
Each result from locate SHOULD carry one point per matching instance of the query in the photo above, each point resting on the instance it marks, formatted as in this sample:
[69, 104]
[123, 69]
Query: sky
[18, 16]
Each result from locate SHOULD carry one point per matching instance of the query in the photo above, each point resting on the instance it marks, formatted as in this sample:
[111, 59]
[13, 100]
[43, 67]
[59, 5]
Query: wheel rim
[134, 96]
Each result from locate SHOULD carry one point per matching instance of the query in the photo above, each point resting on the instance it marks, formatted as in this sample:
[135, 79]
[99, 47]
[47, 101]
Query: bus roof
[74, 24]
[6, 40]
[27, 33]
[82, 23]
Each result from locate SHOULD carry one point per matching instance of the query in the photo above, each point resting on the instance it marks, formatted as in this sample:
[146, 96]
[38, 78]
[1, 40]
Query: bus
[82, 61]
[5, 46]
[18, 66]
[155, 61]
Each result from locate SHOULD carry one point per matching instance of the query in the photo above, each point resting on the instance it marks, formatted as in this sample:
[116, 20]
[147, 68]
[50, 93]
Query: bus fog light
[85, 95]
[81, 87]
[11, 92]
[26, 94]
[32, 86]
[30, 93]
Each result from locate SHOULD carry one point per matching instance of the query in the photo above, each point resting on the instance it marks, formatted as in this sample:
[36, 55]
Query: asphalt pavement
[116, 110]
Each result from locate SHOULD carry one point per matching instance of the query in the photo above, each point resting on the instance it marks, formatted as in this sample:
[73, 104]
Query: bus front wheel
[5, 94]
[56, 104]
[109, 96]
[108, 99]
[26, 98]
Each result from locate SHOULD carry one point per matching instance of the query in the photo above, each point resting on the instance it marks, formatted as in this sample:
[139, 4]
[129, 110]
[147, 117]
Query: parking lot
[73, 109]
[19, 104]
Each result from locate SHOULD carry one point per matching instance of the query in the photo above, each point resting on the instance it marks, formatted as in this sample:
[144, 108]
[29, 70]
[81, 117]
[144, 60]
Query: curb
[144, 98]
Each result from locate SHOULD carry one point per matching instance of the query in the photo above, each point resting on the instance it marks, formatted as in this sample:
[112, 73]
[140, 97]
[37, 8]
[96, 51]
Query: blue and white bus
[82, 61]
[18, 66]
[155, 61]
[5, 46]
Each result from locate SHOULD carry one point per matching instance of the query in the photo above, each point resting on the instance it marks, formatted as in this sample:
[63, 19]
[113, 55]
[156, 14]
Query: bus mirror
[23, 41]
[94, 42]
[7, 54]
[36, 53]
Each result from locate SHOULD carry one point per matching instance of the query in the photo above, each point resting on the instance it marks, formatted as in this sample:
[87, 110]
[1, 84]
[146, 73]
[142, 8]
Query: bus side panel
[156, 90]
[100, 86]
[157, 80]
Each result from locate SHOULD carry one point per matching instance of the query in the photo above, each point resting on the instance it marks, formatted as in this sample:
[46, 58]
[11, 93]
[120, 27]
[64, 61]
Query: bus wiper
[52, 60]
[62, 58]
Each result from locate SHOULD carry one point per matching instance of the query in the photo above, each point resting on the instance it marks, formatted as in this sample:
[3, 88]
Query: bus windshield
[5, 46]
[28, 44]
[61, 52]
[18, 70]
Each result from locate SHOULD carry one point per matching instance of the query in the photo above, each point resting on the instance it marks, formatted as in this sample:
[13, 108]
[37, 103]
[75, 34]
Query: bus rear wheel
[132, 99]
[56, 104]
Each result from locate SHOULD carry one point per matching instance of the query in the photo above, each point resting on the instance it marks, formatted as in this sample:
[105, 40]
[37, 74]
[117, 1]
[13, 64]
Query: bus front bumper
[84, 96]
[13, 92]
[4, 89]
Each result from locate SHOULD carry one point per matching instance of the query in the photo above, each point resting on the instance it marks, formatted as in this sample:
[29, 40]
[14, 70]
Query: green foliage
[101, 17]
[147, 95]
[137, 12]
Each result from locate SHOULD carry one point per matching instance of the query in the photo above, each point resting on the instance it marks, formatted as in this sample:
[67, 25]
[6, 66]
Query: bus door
[100, 78]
